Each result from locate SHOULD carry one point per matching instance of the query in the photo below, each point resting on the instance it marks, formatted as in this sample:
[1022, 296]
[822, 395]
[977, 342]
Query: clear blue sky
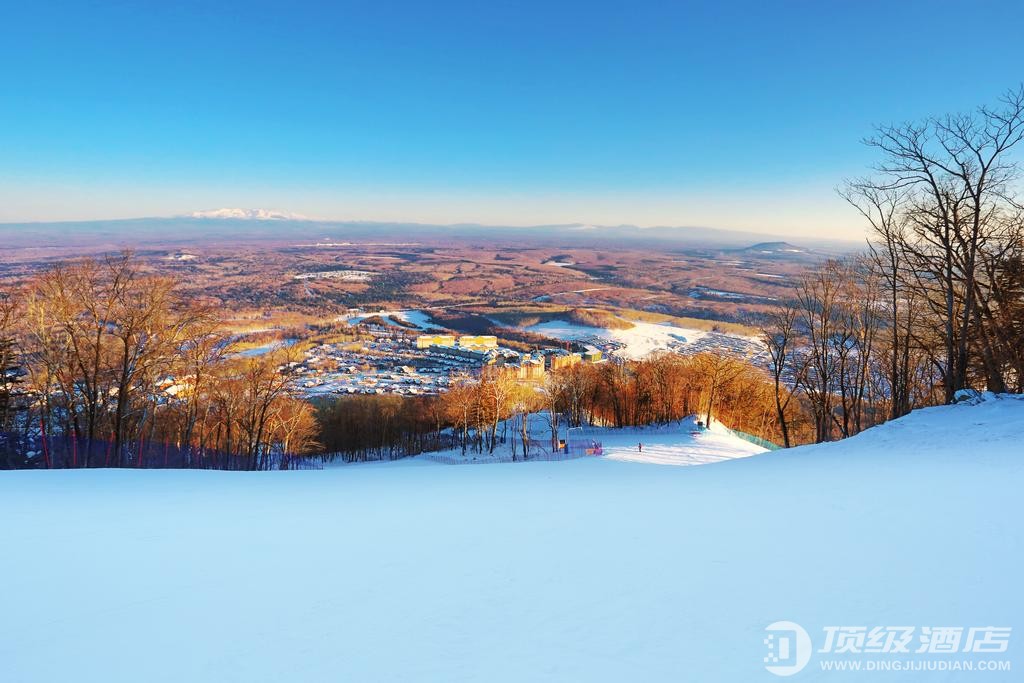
[737, 115]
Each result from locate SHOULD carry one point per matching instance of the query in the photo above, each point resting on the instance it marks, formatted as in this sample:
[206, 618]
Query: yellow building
[478, 341]
[529, 370]
[565, 361]
[425, 341]
[532, 370]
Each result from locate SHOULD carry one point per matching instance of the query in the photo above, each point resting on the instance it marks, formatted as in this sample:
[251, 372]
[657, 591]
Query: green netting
[756, 440]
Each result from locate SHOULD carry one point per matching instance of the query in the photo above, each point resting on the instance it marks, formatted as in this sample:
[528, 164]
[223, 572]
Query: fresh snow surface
[674, 445]
[586, 570]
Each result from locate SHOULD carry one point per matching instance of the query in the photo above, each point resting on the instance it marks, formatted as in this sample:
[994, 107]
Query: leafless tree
[951, 181]
[780, 335]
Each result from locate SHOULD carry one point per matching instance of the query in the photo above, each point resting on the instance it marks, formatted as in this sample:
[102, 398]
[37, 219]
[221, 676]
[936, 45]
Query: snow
[644, 339]
[249, 214]
[675, 445]
[680, 443]
[637, 342]
[266, 348]
[421, 319]
[344, 275]
[592, 569]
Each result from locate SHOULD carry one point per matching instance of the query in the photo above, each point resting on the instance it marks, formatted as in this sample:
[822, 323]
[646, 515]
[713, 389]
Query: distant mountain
[251, 226]
[774, 248]
[249, 215]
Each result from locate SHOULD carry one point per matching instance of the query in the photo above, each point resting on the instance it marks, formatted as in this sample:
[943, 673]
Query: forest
[111, 357]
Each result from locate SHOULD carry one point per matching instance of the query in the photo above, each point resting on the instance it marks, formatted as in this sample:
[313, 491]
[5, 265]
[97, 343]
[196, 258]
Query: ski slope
[420, 320]
[639, 341]
[596, 569]
[678, 444]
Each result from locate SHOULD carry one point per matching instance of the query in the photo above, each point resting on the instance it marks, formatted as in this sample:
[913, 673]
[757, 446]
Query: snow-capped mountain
[249, 214]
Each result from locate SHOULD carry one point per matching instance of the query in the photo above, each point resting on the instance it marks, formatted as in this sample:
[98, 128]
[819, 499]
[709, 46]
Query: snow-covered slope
[590, 569]
[677, 444]
[421, 320]
[639, 341]
[681, 443]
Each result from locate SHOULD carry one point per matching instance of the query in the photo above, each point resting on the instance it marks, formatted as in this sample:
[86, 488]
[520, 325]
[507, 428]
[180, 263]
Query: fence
[18, 451]
[756, 440]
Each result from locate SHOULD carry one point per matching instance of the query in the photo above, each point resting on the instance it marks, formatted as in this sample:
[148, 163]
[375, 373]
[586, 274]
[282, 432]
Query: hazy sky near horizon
[742, 115]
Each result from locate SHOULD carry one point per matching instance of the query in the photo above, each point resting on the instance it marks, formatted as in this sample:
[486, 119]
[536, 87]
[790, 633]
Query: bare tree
[716, 373]
[953, 178]
[10, 370]
[885, 211]
[819, 295]
[781, 337]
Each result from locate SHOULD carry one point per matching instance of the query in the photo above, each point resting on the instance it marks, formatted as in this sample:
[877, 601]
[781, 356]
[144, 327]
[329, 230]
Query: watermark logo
[901, 648]
[789, 648]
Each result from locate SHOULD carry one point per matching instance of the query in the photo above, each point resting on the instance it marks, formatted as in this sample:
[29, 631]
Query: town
[393, 356]
[395, 361]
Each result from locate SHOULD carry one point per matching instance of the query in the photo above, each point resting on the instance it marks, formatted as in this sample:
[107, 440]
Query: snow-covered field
[265, 348]
[637, 342]
[419, 319]
[587, 570]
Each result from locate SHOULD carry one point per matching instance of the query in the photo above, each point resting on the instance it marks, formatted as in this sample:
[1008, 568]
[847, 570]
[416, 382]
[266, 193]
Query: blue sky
[739, 115]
